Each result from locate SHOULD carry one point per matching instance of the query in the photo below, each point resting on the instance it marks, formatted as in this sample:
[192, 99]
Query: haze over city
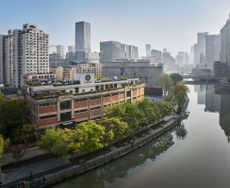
[161, 23]
[115, 93]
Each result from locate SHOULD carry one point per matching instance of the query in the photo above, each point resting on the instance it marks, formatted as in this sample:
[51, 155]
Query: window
[96, 108]
[64, 105]
[47, 117]
[80, 111]
[48, 104]
[128, 93]
[81, 100]
[66, 116]
[76, 90]
[94, 98]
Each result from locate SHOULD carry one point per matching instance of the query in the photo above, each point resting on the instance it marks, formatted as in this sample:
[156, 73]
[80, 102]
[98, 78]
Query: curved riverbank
[44, 180]
[193, 154]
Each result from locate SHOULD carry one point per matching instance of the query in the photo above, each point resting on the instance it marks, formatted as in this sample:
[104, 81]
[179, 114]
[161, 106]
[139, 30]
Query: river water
[196, 154]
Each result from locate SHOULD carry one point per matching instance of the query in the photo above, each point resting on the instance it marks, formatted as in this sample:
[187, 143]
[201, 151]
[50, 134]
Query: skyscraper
[212, 49]
[61, 51]
[25, 51]
[110, 51]
[199, 48]
[148, 50]
[156, 56]
[114, 50]
[225, 43]
[82, 37]
[2, 59]
[191, 55]
[70, 49]
[182, 59]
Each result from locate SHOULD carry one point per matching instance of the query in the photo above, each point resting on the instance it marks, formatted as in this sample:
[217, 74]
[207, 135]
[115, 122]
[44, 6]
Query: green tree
[164, 108]
[2, 147]
[22, 134]
[133, 116]
[92, 137]
[48, 139]
[115, 127]
[180, 94]
[147, 107]
[116, 111]
[176, 78]
[166, 84]
[14, 113]
[61, 145]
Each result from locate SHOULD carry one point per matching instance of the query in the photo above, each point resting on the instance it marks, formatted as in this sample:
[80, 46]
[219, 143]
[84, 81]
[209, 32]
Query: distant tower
[61, 51]
[82, 37]
[148, 50]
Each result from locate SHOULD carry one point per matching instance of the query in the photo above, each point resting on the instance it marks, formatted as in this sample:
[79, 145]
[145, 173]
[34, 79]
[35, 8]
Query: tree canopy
[120, 121]
[13, 114]
[176, 77]
[180, 94]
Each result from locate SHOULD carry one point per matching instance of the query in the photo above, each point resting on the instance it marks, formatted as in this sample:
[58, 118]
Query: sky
[170, 24]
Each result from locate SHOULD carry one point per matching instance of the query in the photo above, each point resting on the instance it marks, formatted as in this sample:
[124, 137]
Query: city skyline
[158, 24]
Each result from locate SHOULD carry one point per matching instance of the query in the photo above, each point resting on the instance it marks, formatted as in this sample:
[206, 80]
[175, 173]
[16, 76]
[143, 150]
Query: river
[196, 154]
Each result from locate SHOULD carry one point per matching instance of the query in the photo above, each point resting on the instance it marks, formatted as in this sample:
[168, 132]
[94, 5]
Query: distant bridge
[198, 79]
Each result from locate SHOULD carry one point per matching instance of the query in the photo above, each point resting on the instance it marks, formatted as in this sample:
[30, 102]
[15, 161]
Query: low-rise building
[68, 72]
[146, 70]
[66, 103]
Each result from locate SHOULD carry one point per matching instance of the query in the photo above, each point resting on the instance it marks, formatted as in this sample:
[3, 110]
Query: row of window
[86, 110]
[48, 117]
[48, 104]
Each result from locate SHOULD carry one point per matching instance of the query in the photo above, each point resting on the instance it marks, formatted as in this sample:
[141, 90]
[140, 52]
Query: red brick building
[66, 105]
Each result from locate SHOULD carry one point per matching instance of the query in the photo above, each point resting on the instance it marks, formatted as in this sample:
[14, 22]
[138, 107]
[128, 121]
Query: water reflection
[195, 154]
[118, 169]
[181, 132]
[216, 98]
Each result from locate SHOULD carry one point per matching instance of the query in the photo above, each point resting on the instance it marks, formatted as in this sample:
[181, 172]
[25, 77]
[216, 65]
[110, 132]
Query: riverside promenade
[48, 172]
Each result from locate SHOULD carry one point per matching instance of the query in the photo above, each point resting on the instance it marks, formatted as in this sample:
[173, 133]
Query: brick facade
[83, 107]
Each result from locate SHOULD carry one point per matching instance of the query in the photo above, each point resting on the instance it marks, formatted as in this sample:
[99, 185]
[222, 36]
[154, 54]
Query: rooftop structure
[66, 104]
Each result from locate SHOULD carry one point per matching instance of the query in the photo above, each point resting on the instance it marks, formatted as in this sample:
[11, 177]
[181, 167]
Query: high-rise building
[133, 53]
[82, 37]
[212, 49]
[148, 50]
[2, 59]
[182, 59]
[112, 50]
[169, 62]
[156, 56]
[225, 43]
[167, 58]
[61, 51]
[25, 52]
[191, 55]
[70, 49]
[199, 48]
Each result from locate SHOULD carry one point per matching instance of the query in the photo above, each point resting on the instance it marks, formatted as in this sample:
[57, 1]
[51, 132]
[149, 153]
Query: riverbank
[68, 170]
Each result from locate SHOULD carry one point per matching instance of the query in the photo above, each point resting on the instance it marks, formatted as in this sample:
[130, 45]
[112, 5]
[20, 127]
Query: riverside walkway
[50, 171]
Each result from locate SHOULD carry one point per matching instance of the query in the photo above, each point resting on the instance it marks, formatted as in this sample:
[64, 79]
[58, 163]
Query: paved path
[33, 168]
[30, 153]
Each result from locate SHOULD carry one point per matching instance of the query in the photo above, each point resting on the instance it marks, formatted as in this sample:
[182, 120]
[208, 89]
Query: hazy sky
[162, 23]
